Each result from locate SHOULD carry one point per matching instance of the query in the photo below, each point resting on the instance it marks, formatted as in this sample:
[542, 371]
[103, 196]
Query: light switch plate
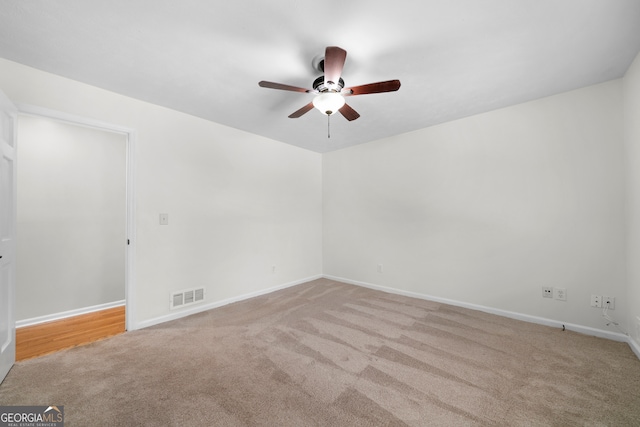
[164, 219]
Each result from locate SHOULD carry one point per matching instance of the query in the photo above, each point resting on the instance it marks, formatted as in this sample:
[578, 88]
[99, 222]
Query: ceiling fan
[329, 88]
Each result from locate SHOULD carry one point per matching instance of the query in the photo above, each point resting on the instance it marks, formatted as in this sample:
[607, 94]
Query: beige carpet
[330, 354]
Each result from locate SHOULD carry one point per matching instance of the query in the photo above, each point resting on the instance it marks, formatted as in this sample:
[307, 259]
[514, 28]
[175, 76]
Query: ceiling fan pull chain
[328, 125]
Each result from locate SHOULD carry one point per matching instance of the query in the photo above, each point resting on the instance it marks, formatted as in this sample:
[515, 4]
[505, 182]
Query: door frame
[130, 134]
[8, 245]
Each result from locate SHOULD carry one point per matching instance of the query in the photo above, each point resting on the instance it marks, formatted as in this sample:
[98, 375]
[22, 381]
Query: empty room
[291, 213]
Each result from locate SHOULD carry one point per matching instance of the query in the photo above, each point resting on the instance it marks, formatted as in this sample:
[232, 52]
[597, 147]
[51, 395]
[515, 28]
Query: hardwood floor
[49, 337]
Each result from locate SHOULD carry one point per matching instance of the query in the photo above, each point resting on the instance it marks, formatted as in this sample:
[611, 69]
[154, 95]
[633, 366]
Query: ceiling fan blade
[388, 86]
[348, 112]
[301, 111]
[334, 58]
[272, 85]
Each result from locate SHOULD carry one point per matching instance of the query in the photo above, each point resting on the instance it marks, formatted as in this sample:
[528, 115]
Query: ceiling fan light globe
[329, 102]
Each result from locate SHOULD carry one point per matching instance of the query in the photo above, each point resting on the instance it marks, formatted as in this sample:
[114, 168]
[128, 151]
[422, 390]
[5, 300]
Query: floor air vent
[186, 297]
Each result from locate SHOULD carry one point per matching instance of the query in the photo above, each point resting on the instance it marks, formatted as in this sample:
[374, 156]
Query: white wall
[488, 209]
[484, 210]
[71, 217]
[632, 145]
[237, 203]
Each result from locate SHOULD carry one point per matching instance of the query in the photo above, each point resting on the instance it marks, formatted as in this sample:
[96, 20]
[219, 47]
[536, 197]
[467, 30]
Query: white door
[8, 118]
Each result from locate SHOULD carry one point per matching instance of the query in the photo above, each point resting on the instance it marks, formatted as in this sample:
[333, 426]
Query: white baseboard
[66, 314]
[504, 313]
[200, 308]
[615, 336]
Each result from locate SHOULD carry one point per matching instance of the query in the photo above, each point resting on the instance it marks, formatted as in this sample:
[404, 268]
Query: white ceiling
[455, 58]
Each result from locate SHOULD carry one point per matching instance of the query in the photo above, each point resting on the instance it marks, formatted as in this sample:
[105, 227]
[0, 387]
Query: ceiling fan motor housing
[321, 86]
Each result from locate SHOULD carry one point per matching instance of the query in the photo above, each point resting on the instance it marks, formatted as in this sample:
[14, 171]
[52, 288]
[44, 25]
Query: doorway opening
[74, 223]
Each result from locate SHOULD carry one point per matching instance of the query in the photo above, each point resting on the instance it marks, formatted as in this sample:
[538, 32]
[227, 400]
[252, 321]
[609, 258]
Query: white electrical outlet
[560, 294]
[273, 269]
[547, 292]
[609, 302]
[379, 268]
[596, 301]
